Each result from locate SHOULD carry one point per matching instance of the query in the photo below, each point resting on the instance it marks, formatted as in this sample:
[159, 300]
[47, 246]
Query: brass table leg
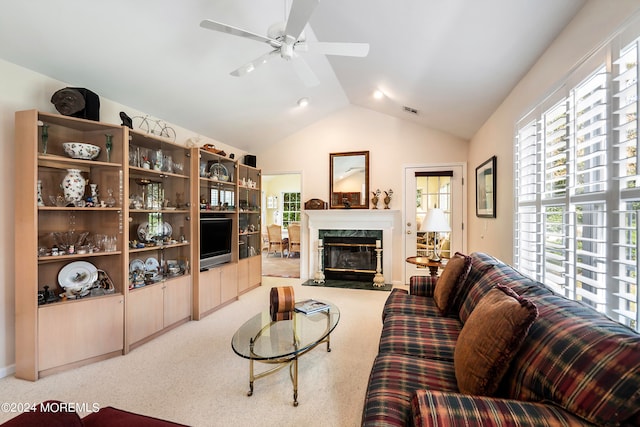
[251, 376]
[329, 334]
[294, 379]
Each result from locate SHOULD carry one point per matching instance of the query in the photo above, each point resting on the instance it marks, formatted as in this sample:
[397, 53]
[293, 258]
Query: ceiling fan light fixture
[286, 37]
[378, 94]
[410, 110]
[303, 102]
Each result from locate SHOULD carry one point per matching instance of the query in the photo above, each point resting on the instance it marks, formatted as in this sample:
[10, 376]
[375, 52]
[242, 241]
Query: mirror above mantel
[349, 180]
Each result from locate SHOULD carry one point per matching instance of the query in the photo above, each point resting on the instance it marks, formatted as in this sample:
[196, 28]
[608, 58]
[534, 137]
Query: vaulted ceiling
[452, 61]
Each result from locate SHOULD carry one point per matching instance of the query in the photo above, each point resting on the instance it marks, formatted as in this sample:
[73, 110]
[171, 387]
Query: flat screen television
[215, 241]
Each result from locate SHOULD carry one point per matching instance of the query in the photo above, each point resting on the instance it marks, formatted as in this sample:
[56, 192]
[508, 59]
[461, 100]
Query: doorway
[428, 187]
[282, 206]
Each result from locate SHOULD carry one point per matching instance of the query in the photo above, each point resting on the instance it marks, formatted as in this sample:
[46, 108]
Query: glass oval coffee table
[282, 342]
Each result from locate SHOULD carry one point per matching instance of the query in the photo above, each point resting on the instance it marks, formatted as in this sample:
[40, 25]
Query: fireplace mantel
[354, 219]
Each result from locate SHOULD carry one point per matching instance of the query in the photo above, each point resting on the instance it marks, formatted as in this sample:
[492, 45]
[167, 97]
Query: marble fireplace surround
[384, 220]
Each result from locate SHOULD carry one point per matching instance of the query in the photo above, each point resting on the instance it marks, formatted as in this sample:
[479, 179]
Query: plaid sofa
[575, 366]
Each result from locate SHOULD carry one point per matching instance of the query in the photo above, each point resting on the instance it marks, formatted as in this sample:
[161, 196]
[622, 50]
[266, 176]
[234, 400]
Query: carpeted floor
[277, 266]
[191, 375]
[348, 284]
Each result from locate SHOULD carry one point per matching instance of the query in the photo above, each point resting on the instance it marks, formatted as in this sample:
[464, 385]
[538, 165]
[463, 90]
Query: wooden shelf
[56, 258]
[158, 247]
[138, 171]
[74, 208]
[162, 211]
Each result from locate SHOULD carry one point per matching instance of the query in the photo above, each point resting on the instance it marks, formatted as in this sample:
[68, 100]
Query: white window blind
[624, 293]
[577, 184]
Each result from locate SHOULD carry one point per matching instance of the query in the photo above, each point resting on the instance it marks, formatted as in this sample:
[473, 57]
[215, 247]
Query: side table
[423, 261]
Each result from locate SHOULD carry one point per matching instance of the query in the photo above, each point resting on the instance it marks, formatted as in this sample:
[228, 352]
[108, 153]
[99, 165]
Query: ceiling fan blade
[299, 15]
[250, 66]
[224, 28]
[304, 71]
[342, 49]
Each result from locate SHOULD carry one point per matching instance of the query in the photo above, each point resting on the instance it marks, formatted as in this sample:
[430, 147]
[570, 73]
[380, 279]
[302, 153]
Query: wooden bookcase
[224, 191]
[66, 333]
[250, 239]
[160, 236]
[151, 194]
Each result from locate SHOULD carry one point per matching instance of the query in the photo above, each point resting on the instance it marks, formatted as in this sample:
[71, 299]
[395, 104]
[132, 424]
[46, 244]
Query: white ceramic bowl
[81, 150]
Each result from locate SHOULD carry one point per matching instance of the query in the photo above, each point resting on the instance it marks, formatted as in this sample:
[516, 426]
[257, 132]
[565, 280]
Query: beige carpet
[192, 376]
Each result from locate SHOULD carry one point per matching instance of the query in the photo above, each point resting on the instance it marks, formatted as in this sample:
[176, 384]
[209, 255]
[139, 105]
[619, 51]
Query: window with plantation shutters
[527, 185]
[624, 293]
[556, 140]
[577, 184]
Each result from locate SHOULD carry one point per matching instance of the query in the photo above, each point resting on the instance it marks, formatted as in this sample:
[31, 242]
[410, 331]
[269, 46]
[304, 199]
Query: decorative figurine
[94, 194]
[126, 120]
[40, 201]
[77, 102]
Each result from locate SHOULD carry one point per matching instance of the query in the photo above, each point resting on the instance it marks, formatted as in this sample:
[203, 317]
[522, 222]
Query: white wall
[392, 143]
[591, 26]
[22, 89]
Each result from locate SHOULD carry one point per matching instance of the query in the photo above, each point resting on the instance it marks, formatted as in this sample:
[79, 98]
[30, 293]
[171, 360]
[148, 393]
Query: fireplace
[375, 224]
[349, 257]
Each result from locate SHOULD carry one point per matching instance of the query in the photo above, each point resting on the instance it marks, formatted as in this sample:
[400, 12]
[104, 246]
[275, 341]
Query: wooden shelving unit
[160, 233]
[62, 334]
[156, 191]
[221, 194]
[250, 239]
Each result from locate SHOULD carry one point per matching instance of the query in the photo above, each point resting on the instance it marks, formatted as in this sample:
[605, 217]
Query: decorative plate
[151, 265]
[136, 265]
[219, 171]
[167, 230]
[145, 234]
[78, 275]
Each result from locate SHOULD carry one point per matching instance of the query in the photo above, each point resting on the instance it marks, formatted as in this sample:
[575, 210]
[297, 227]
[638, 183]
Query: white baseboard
[7, 370]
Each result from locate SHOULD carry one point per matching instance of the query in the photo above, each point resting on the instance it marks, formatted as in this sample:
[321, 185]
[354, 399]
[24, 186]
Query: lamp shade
[435, 220]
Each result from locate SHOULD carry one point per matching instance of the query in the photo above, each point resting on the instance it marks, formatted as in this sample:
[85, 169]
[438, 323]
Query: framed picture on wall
[486, 189]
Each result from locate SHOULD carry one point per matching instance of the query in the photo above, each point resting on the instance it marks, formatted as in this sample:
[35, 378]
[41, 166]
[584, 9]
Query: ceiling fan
[287, 39]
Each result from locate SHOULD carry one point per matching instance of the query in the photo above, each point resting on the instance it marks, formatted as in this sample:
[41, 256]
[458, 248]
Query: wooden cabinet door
[229, 283]
[255, 271]
[78, 330]
[177, 300]
[209, 289]
[145, 308]
[243, 275]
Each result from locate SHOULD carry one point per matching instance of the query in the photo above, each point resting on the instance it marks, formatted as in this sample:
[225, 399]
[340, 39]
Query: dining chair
[275, 239]
[294, 238]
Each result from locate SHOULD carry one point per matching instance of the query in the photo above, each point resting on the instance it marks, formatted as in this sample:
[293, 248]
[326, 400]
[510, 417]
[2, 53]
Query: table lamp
[435, 222]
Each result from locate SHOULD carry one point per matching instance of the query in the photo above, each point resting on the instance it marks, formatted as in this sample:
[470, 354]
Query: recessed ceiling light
[378, 94]
[303, 102]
